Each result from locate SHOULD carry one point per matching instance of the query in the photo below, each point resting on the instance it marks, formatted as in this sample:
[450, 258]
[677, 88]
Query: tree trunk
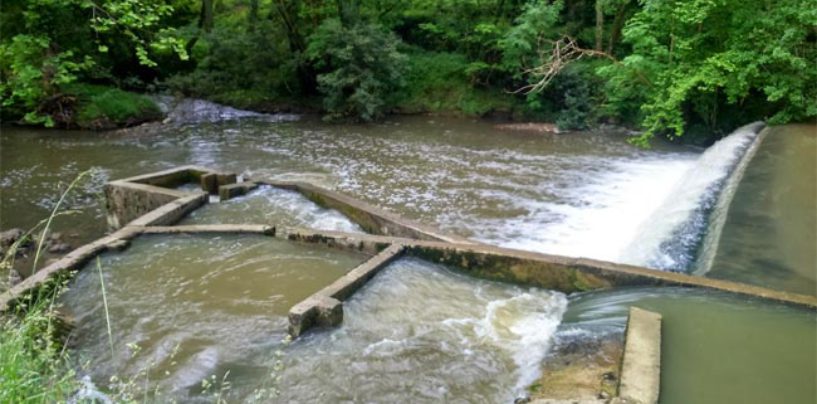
[348, 11]
[297, 44]
[253, 15]
[618, 25]
[206, 17]
[599, 26]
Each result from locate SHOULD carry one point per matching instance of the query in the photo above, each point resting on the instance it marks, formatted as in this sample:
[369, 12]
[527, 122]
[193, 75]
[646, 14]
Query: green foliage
[105, 107]
[361, 69]
[440, 82]
[48, 44]
[265, 71]
[31, 73]
[696, 57]
[33, 367]
[669, 65]
[580, 101]
[520, 45]
[139, 22]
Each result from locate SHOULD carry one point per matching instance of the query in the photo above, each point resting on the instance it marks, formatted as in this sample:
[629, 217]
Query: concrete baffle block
[209, 183]
[641, 366]
[226, 178]
[315, 311]
[230, 191]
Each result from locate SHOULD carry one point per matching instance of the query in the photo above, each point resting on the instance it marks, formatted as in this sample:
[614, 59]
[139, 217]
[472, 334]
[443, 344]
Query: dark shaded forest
[665, 67]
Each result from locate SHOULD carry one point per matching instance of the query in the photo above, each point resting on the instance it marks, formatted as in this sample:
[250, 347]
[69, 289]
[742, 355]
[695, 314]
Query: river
[581, 194]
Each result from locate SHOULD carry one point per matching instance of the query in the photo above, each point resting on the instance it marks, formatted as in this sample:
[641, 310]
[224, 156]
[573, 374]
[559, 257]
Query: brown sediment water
[716, 348]
[577, 194]
[192, 304]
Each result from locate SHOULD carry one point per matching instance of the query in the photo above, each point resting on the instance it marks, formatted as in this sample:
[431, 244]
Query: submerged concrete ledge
[564, 274]
[213, 228]
[372, 219]
[325, 307]
[72, 261]
[641, 365]
[227, 192]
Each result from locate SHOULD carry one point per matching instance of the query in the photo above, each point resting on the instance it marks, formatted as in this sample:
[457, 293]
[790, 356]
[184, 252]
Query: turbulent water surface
[419, 329]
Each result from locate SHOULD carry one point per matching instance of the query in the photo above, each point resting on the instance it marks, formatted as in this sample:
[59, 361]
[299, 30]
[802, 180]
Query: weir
[153, 203]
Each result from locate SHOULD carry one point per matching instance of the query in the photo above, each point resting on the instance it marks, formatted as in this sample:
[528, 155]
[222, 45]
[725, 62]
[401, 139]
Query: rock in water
[9, 237]
[59, 248]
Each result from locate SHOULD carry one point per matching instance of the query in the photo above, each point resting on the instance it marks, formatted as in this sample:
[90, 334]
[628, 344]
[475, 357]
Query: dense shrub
[360, 69]
[100, 107]
[240, 67]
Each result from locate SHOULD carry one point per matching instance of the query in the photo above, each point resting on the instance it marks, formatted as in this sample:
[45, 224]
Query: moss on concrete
[558, 276]
[583, 369]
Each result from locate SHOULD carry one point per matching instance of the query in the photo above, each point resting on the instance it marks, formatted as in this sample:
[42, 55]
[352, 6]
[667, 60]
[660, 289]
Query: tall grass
[34, 367]
[41, 241]
[105, 305]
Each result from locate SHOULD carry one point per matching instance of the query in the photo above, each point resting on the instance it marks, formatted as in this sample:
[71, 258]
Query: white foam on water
[275, 206]
[602, 217]
[308, 212]
[420, 330]
[651, 210]
[524, 324]
[672, 235]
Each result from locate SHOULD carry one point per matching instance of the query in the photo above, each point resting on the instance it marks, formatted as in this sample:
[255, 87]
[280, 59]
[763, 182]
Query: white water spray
[674, 234]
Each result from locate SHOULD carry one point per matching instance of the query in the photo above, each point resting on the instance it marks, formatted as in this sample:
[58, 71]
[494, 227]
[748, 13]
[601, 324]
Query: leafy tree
[360, 67]
[47, 44]
[699, 56]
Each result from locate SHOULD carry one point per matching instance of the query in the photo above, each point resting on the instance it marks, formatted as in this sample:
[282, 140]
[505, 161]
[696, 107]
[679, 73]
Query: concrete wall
[133, 197]
[125, 201]
[171, 178]
[641, 365]
[325, 307]
[564, 274]
[74, 260]
[373, 220]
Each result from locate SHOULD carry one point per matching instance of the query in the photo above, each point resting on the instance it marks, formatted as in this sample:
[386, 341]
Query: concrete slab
[348, 284]
[372, 219]
[641, 365]
[171, 177]
[230, 191]
[325, 307]
[126, 201]
[172, 211]
[74, 260]
[315, 311]
[213, 228]
[553, 272]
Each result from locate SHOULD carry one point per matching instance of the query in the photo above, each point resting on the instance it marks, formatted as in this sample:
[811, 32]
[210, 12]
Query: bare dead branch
[563, 52]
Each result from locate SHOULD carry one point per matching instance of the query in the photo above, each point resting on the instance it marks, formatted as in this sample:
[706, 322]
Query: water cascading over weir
[682, 233]
[672, 239]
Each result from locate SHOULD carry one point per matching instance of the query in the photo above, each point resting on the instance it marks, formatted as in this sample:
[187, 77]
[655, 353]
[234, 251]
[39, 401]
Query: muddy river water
[198, 307]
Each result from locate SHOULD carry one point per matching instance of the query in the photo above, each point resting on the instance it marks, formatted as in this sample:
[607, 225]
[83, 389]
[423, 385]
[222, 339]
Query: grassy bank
[101, 107]
[88, 106]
